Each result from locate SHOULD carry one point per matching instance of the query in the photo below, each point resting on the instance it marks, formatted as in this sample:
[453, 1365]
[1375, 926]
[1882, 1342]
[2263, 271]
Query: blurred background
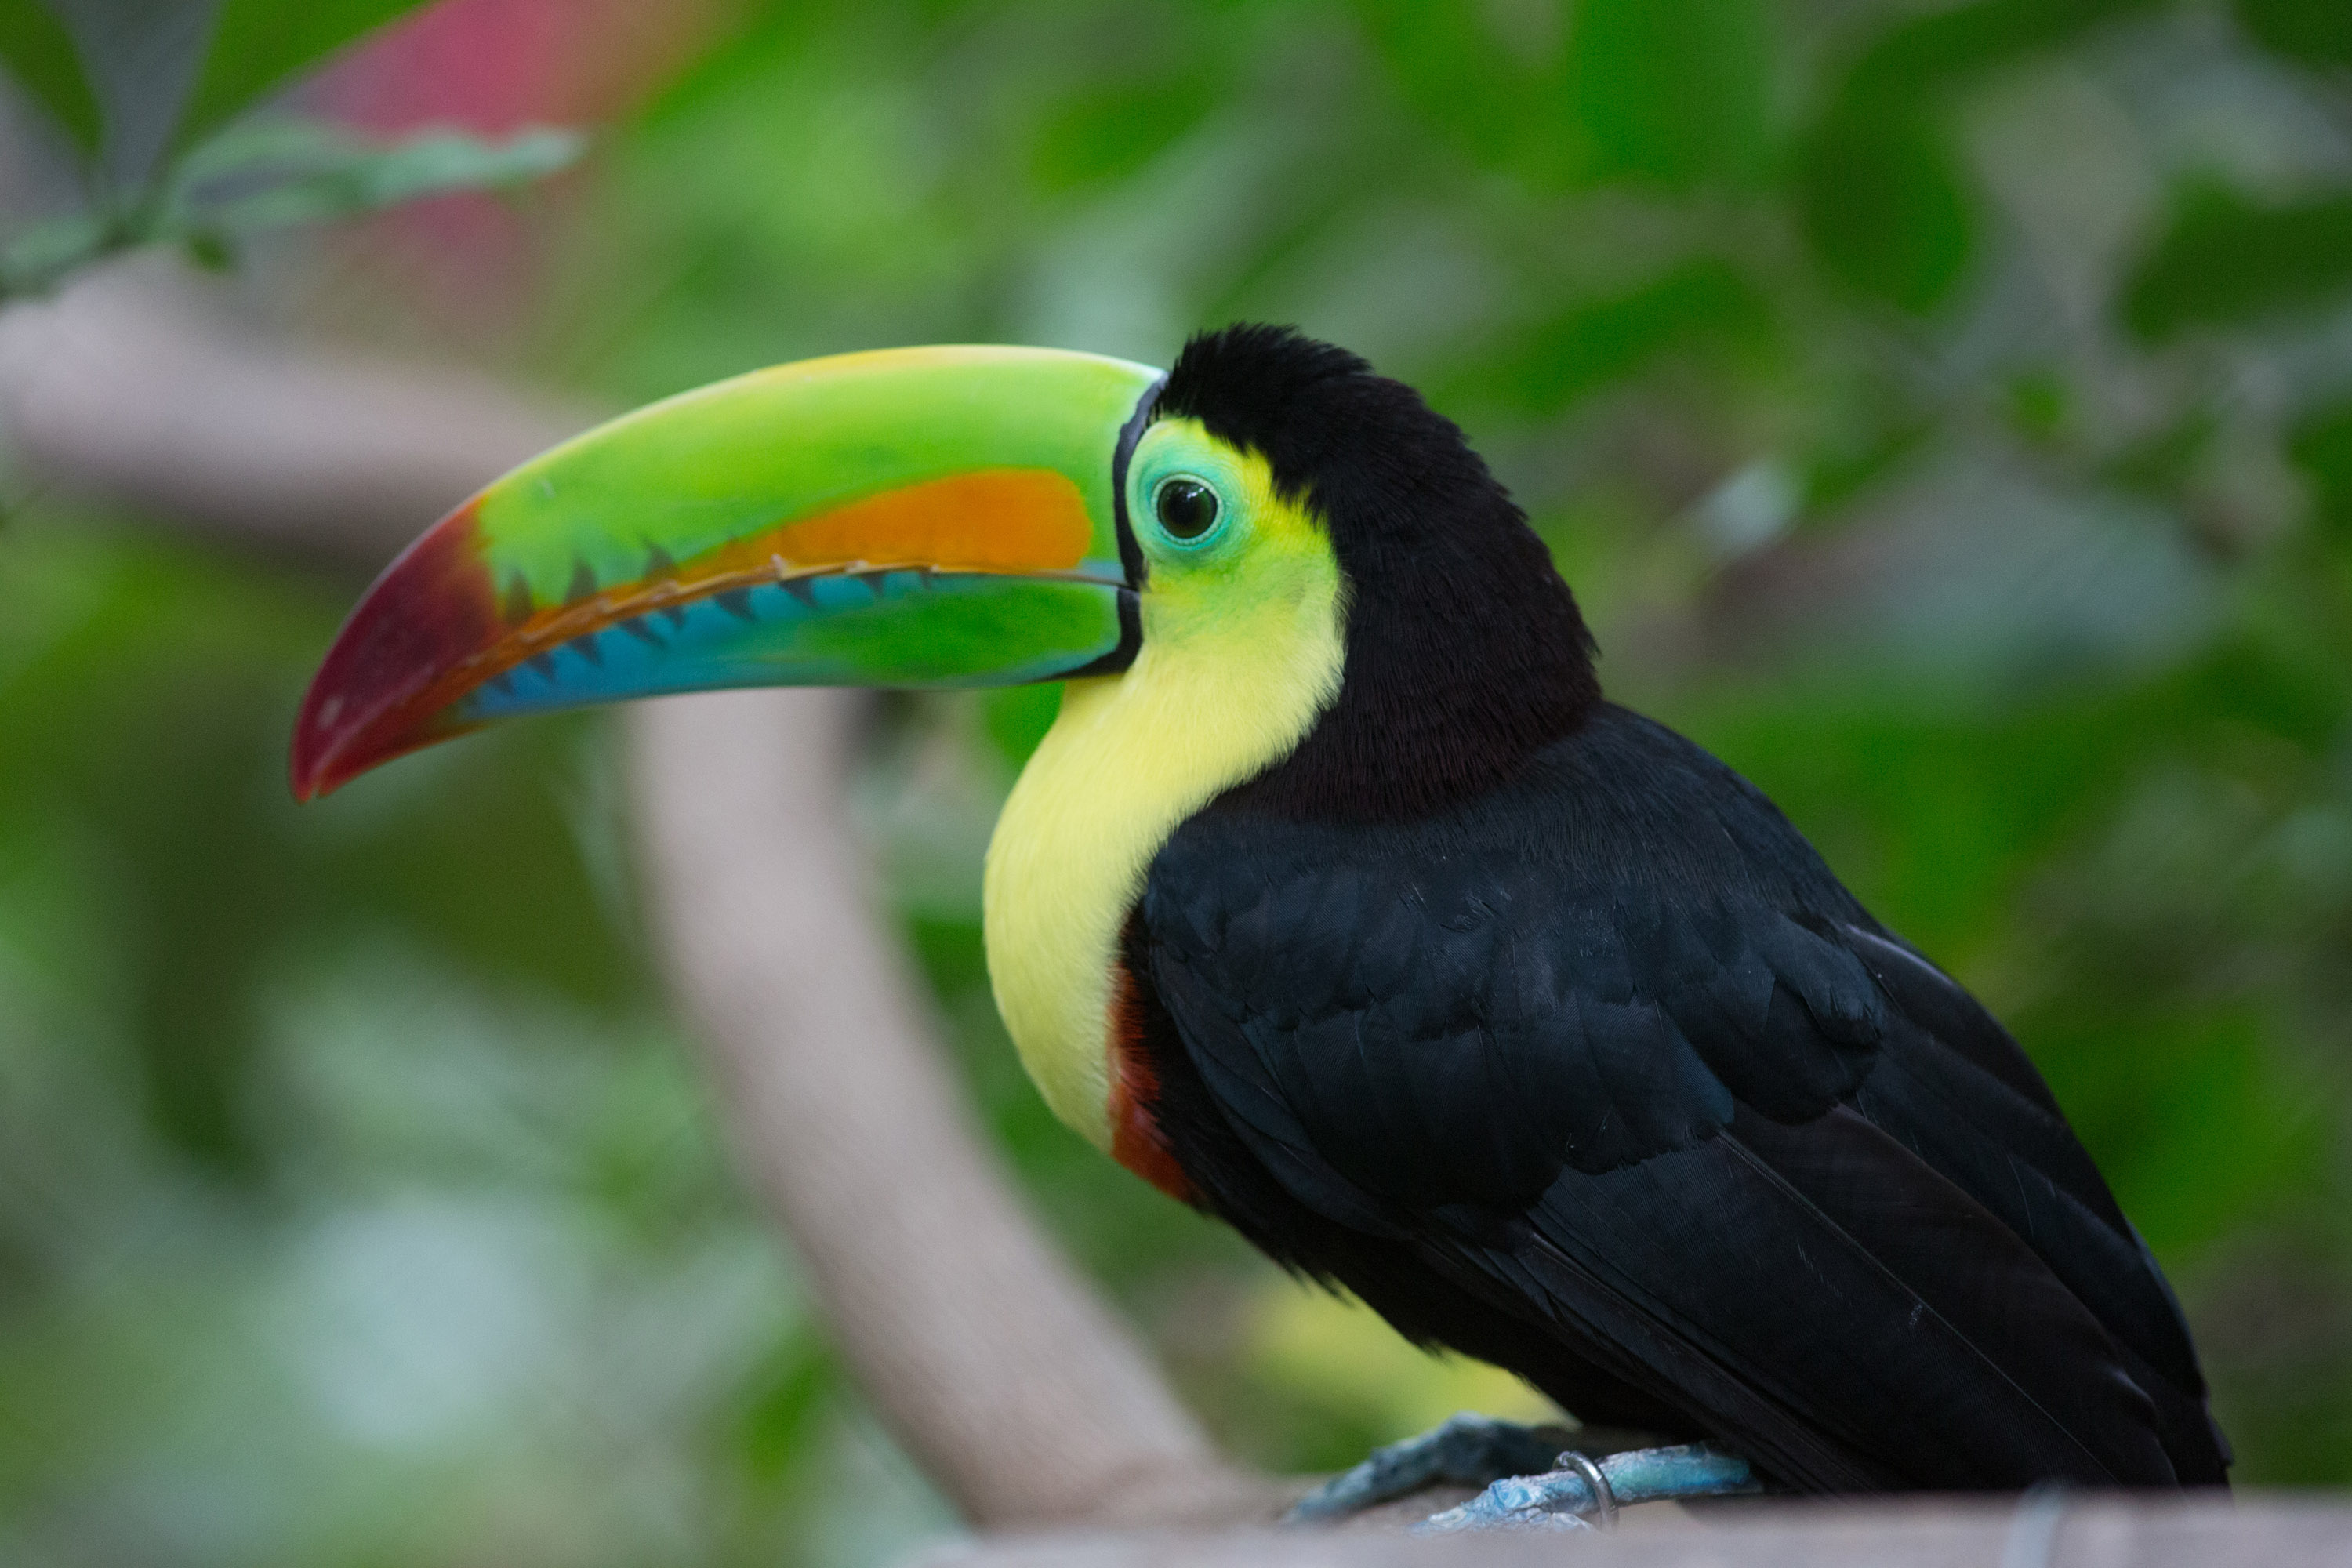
[1943, 412]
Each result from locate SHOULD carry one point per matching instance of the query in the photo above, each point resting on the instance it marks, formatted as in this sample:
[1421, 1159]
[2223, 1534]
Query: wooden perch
[2042, 1531]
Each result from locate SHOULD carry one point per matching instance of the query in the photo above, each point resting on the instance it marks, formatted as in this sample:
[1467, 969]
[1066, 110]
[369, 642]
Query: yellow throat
[1240, 655]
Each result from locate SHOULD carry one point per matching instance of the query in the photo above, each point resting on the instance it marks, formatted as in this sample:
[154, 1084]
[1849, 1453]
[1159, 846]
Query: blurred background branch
[137, 386]
[1945, 413]
[1020, 1395]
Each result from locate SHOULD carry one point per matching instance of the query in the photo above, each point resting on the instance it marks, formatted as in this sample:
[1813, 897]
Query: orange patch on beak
[991, 520]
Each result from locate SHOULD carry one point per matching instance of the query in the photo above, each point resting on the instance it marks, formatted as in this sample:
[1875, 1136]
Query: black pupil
[1187, 508]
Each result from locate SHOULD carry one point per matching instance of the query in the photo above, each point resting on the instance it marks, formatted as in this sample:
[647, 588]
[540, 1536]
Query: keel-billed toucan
[1338, 902]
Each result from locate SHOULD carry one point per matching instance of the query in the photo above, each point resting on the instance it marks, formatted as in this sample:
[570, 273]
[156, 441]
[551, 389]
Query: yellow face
[1223, 547]
[1242, 618]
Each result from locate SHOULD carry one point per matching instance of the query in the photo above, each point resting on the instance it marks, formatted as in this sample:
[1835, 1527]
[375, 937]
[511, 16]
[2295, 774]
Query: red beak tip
[316, 764]
[306, 775]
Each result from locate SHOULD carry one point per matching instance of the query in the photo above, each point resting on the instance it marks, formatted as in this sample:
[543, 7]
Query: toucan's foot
[1584, 1491]
[1467, 1450]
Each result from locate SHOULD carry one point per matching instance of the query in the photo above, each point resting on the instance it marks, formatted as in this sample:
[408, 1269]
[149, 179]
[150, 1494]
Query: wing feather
[1612, 1051]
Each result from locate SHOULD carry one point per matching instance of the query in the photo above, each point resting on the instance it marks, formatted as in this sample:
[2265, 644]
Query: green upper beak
[911, 517]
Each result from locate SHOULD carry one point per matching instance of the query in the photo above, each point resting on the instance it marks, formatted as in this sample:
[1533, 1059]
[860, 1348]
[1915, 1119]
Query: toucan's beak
[914, 517]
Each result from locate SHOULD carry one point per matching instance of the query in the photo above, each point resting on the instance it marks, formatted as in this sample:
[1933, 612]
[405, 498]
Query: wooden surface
[2051, 1531]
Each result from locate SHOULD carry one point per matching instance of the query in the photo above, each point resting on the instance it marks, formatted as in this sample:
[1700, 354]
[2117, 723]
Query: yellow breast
[1231, 677]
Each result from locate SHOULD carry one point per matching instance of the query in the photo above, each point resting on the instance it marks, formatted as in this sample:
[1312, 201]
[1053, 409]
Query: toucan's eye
[1186, 508]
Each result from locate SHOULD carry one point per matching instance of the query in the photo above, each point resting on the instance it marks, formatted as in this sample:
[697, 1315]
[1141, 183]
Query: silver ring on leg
[1604, 1500]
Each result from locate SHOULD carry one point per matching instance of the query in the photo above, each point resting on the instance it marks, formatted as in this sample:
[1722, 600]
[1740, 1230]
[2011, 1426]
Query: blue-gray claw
[1558, 1499]
[1468, 1450]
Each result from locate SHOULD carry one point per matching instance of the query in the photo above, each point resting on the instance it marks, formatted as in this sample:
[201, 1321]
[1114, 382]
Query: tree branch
[999, 1371]
[136, 383]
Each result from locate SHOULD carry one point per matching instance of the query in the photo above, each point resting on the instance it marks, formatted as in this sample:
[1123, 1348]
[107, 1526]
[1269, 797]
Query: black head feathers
[1272, 391]
[1465, 651]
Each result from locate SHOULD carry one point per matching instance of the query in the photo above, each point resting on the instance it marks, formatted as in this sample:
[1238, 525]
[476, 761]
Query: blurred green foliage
[2226, 260]
[1945, 413]
[45, 64]
[155, 102]
[255, 46]
[2315, 31]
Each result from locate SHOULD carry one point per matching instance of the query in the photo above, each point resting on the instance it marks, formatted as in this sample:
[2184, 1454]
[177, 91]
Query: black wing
[1613, 1064]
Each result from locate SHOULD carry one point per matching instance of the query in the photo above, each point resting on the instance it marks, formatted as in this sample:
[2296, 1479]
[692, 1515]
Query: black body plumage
[1547, 1035]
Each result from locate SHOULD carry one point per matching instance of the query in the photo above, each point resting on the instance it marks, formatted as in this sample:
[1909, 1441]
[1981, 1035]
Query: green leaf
[1673, 92]
[2320, 445]
[261, 45]
[1500, 105]
[2040, 405]
[1704, 307]
[2162, 465]
[42, 254]
[275, 173]
[1946, 45]
[1883, 204]
[1880, 188]
[2226, 261]
[41, 54]
[1017, 717]
[2318, 32]
[787, 1396]
[1108, 132]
